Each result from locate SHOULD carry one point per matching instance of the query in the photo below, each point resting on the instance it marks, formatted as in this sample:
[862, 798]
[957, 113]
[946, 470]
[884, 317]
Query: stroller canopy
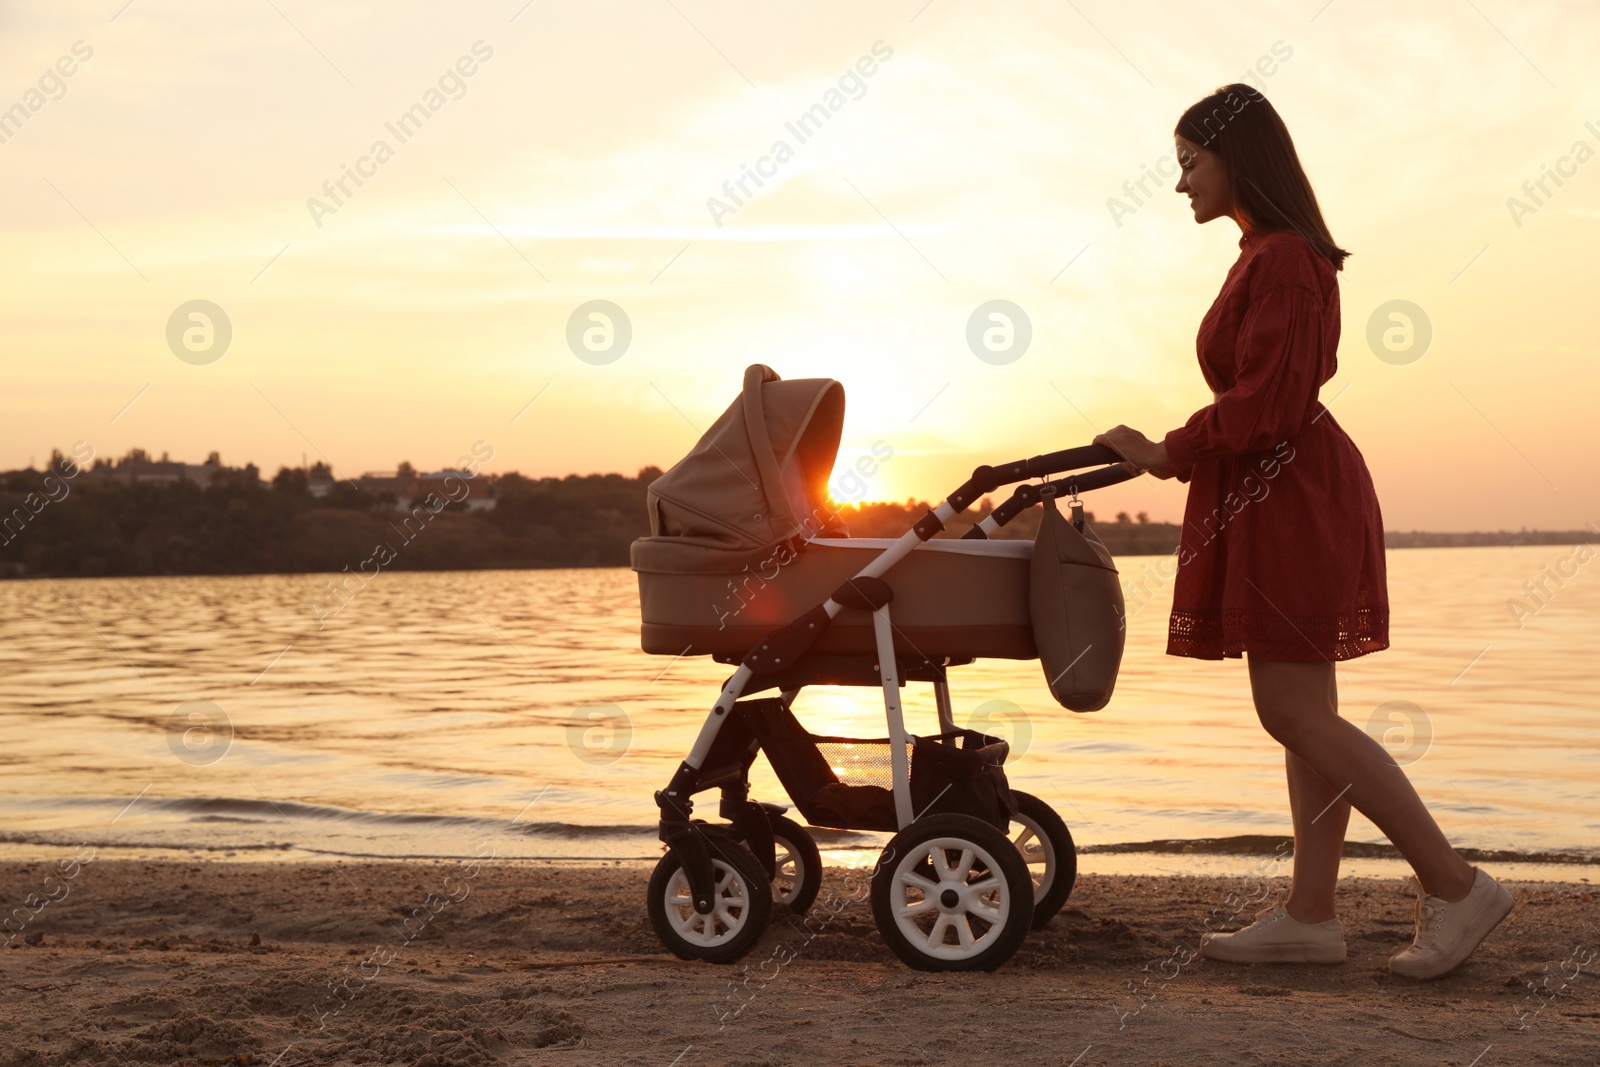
[760, 474]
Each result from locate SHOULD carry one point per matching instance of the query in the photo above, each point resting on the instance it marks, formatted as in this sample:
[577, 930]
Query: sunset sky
[422, 311]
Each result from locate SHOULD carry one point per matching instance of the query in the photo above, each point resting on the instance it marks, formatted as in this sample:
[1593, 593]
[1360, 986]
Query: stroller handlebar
[1068, 459]
[988, 479]
[1099, 479]
[1030, 493]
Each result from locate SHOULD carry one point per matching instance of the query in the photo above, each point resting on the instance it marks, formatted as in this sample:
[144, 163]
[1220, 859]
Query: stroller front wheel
[741, 906]
[952, 893]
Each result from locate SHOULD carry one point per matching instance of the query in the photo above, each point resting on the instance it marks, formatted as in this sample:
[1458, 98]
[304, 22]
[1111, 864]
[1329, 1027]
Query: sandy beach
[487, 962]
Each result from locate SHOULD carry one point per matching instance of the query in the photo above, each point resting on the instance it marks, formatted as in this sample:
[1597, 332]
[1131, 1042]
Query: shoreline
[1361, 861]
[484, 962]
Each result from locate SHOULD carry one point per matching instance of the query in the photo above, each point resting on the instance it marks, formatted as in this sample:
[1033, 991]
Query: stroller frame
[778, 660]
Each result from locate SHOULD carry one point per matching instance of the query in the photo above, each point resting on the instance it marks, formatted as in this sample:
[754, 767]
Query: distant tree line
[60, 524]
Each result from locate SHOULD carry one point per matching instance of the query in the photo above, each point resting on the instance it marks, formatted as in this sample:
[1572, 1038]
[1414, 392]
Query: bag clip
[1075, 504]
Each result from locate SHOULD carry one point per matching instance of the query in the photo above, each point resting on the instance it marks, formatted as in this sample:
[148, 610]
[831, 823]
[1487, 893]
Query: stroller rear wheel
[951, 893]
[742, 906]
[1047, 849]
[798, 875]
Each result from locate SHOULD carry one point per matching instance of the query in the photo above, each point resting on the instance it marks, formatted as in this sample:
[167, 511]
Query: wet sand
[452, 963]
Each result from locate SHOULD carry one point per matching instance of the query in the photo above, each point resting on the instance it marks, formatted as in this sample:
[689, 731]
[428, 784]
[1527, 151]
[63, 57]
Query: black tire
[743, 905]
[799, 873]
[1046, 847]
[980, 891]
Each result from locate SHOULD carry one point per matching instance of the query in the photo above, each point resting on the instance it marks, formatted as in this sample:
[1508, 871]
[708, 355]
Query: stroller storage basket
[847, 782]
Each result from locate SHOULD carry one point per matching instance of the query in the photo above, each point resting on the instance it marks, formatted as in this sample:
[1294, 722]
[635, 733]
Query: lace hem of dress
[1272, 636]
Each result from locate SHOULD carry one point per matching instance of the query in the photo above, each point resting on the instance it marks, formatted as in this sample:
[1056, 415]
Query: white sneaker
[1447, 931]
[1278, 937]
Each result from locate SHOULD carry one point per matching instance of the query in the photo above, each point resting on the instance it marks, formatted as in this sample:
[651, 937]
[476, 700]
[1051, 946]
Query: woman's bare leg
[1321, 815]
[1293, 703]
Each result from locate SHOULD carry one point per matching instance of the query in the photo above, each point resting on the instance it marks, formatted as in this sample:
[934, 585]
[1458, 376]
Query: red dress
[1282, 546]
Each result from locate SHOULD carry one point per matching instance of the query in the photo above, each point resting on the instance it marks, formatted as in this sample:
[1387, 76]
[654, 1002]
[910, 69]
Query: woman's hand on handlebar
[1142, 455]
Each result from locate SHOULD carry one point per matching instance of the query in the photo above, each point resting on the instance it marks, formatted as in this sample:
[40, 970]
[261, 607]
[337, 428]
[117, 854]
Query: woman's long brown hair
[1269, 185]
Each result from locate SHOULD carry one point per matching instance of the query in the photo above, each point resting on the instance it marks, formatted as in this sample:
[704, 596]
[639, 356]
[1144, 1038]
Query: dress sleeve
[1278, 376]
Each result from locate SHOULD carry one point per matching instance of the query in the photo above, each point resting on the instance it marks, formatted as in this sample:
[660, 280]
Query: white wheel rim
[1037, 852]
[961, 912]
[789, 870]
[729, 912]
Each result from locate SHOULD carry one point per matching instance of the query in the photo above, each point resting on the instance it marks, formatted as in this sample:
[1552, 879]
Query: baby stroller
[748, 563]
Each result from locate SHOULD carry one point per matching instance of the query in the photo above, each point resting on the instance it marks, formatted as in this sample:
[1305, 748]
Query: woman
[1282, 553]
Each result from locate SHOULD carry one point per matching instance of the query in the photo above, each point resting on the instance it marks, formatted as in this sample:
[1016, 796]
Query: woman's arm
[1279, 356]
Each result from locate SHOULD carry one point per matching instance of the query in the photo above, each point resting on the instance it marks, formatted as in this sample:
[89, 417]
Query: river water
[234, 717]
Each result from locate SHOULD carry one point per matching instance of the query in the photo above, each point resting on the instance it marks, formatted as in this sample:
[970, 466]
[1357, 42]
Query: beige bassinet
[744, 539]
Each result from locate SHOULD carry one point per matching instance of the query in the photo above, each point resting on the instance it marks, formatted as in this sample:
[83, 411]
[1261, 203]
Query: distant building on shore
[403, 485]
[406, 484]
[137, 468]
